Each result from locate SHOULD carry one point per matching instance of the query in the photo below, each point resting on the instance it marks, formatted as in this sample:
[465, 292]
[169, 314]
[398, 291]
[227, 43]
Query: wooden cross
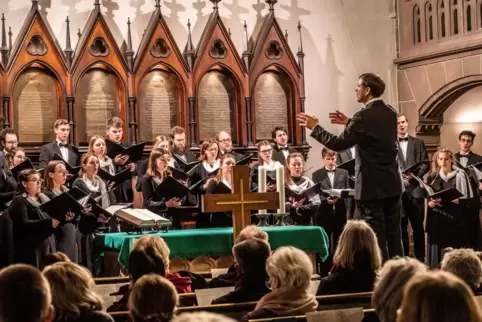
[241, 201]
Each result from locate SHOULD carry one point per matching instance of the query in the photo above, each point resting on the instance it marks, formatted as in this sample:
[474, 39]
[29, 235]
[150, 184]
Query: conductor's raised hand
[338, 117]
[308, 121]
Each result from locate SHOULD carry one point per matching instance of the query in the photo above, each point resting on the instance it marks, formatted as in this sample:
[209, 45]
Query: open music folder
[134, 151]
[306, 194]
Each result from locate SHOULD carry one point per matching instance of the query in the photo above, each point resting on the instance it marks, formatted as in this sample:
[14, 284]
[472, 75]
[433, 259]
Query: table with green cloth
[215, 241]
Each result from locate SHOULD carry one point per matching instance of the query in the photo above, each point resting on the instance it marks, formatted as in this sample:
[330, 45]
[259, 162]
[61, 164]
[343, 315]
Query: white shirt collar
[403, 137]
[464, 153]
[373, 100]
[60, 142]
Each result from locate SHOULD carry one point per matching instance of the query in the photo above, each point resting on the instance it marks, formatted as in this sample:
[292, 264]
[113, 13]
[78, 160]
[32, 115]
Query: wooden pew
[238, 310]
[301, 318]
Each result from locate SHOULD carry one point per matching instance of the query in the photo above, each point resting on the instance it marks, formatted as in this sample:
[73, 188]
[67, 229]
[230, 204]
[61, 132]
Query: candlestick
[280, 185]
[262, 183]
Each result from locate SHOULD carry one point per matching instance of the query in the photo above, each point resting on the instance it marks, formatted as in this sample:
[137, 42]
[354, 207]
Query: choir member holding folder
[265, 159]
[209, 166]
[157, 172]
[222, 183]
[98, 147]
[33, 229]
[54, 186]
[302, 194]
[9, 175]
[447, 217]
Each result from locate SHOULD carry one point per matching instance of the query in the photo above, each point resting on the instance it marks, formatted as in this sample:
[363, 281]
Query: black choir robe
[475, 231]
[141, 171]
[66, 234]
[33, 235]
[219, 219]
[8, 186]
[156, 203]
[124, 192]
[447, 224]
[305, 213]
[237, 156]
[47, 152]
[332, 217]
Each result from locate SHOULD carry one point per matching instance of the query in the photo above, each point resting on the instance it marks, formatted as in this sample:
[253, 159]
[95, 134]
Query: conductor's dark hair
[276, 129]
[374, 82]
[467, 133]
[24, 294]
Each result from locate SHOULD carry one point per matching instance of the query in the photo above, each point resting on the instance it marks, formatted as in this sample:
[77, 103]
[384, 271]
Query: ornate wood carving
[158, 82]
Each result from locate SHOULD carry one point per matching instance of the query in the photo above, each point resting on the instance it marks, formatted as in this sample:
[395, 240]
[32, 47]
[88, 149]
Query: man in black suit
[280, 145]
[466, 157]
[226, 145]
[411, 151]
[179, 145]
[61, 146]
[332, 213]
[378, 185]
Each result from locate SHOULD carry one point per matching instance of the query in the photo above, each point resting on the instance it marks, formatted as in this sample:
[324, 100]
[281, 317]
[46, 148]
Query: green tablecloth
[216, 241]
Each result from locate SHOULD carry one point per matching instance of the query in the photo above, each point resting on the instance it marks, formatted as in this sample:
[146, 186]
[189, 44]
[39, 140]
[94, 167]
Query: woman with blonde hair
[301, 211]
[465, 264]
[448, 222]
[388, 293]
[73, 294]
[152, 299]
[356, 261]
[98, 148]
[210, 157]
[438, 297]
[289, 270]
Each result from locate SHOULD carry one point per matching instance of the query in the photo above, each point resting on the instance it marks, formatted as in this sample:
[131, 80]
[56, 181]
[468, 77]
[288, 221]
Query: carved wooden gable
[276, 82]
[99, 78]
[161, 81]
[220, 81]
[37, 71]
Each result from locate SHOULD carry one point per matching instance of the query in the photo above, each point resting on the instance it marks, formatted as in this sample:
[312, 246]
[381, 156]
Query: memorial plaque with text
[96, 101]
[36, 106]
[158, 104]
[271, 104]
[216, 105]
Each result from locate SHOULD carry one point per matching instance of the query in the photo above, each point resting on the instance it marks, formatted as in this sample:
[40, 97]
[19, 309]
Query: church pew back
[238, 310]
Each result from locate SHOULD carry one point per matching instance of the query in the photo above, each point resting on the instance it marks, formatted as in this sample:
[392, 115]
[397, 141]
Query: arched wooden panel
[158, 102]
[216, 105]
[97, 99]
[36, 104]
[272, 100]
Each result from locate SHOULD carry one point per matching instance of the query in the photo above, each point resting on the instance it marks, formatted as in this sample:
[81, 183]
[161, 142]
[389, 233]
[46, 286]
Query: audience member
[388, 293]
[289, 270]
[24, 295]
[202, 317]
[73, 295]
[465, 264]
[438, 297]
[250, 256]
[53, 258]
[152, 298]
[356, 261]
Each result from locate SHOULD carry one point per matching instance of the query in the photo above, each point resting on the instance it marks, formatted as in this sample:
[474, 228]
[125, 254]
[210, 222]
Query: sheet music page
[138, 214]
[215, 272]
[206, 296]
[152, 215]
[343, 315]
[114, 208]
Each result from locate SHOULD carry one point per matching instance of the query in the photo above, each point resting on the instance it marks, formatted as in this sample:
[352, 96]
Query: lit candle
[262, 183]
[280, 185]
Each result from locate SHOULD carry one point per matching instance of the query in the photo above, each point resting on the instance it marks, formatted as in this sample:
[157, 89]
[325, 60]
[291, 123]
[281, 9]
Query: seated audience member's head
[153, 298]
[251, 256]
[73, 289]
[358, 247]
[53, 258]
[388, 292]
[201, 317]
[149, 255]
[438, 297]
[289, 268]
[251, 231]
[24, 295]
[465, 264]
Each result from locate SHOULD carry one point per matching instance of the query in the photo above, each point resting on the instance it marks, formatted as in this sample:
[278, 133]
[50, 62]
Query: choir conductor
[373, 132]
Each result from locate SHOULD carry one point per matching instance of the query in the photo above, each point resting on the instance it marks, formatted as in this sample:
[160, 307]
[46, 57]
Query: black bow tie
[284, 148]
[61, 145]
[332, 171]
[402, 139]
[464, 156]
